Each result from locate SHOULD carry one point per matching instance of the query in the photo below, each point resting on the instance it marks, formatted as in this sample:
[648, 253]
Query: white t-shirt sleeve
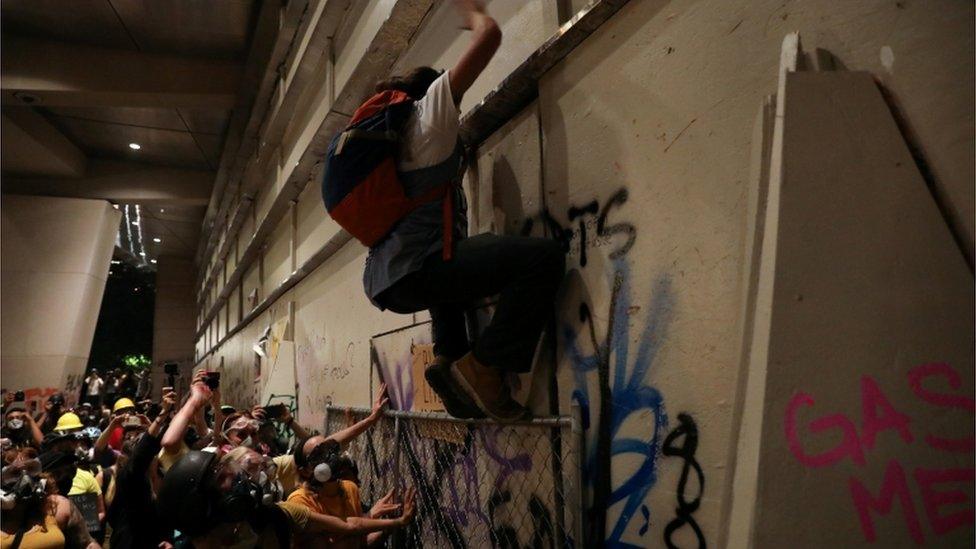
[430, 134]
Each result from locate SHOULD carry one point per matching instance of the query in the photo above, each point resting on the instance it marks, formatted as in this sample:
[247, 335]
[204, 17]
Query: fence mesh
[479, 484]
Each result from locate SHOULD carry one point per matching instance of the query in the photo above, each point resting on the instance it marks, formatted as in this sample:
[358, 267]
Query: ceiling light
[142, 254]
[162, 210]
[135, 146]
[152, 261]
[157, 240]
[116, 262]
[136, 223]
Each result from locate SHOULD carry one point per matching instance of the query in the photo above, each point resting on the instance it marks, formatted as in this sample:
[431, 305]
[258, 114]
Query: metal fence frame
[564, 433]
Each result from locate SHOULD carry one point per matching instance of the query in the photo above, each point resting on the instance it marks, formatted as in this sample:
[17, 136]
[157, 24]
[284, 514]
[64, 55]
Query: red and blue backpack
[360, 186]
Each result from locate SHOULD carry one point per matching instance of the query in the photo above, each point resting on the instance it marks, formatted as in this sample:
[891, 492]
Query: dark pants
[524, 272]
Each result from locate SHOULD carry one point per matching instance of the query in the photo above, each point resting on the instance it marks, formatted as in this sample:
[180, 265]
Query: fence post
[579, 444]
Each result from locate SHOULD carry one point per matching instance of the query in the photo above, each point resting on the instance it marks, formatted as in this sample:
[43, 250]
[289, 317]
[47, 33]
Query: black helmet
[195, 506]
[183, 496]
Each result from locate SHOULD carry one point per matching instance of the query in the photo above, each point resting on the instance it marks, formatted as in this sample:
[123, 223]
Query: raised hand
[381, 401]
[409, 505]
[384, 506]
[469, 11]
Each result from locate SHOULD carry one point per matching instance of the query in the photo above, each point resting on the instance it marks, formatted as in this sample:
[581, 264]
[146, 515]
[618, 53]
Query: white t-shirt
[94, 386]
[430, 134]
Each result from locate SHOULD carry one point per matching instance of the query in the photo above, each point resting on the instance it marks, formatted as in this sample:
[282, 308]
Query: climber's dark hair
[413, 82]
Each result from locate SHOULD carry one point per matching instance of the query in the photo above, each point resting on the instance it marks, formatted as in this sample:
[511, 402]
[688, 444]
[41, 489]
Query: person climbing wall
[423, 261]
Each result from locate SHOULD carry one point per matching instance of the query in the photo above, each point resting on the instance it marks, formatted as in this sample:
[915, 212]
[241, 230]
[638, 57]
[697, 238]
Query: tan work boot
[487, 387]
[456, 401]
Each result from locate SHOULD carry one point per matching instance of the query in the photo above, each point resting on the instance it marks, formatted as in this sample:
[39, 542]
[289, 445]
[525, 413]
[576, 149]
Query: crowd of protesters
[123, 471]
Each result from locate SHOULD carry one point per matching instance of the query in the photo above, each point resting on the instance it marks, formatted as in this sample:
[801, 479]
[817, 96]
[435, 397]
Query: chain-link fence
[479, 483]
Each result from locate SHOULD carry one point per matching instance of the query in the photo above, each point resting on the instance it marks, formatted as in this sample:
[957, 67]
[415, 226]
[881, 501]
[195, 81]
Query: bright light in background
[135, 146]
[143, 254]
[162, 210]
[157, 240]
[153, 261]
[116, 262]
[135, 223]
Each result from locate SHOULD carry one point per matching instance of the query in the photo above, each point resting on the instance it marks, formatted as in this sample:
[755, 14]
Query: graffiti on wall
[493, 488]
[687, 432]
[320, 368]
[941, 489]
[621, 391]
[399, 358]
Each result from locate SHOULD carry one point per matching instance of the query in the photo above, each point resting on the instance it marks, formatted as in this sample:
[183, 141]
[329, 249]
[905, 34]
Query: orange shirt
[338, 500]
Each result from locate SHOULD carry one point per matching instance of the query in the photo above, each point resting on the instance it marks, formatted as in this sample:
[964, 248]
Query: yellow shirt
[287, 473]
[339, 500]
[48, 536]
[84, 483]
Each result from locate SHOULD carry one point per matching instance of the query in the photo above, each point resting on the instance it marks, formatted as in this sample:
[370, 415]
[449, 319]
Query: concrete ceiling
[79, 85]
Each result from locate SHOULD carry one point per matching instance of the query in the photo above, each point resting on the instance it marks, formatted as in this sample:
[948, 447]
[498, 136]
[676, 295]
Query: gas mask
[240, 501]
[15, 424]
[20, 483]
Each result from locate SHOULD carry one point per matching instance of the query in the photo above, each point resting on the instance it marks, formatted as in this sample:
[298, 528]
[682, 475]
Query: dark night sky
[125, 321]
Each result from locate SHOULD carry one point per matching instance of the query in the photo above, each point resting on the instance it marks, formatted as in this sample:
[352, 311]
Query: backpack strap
[356, 133]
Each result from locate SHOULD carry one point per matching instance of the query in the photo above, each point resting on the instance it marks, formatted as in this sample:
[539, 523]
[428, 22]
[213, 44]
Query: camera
[171, 368]
[212, 379]
[275, 411]
[57, 399]
[19, 396]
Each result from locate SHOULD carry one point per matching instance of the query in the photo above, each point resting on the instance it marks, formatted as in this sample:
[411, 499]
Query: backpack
[360, 185]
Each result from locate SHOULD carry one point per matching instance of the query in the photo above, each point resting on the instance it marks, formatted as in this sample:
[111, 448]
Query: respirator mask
[329, 463]
[20, 483]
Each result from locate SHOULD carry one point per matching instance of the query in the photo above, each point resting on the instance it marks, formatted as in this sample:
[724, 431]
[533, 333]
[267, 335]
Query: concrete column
[174, 321]
[56, 254]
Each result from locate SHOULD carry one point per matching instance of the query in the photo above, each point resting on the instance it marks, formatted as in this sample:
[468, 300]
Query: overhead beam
[40, 72]
[120, 181]
[506, 100]
[32, 146]
[273, 38]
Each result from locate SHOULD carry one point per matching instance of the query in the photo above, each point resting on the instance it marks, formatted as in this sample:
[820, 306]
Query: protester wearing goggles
[34, 514]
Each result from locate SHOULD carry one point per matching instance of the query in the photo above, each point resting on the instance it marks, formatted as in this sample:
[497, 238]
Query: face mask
[15, 424]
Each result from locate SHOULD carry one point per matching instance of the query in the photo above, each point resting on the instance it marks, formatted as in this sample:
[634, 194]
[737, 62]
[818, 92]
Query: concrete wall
[56, 254]
[173, 318]
[637, 155]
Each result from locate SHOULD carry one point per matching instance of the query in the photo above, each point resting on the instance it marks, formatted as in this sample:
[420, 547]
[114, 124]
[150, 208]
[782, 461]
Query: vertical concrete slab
[869, 392]
[55, 261]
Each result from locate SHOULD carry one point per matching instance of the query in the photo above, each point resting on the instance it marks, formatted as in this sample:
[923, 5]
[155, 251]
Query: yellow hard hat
[68, 421]
[122, 404]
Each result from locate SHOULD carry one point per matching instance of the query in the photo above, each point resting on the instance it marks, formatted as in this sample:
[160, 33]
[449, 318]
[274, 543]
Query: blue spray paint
[626, 394]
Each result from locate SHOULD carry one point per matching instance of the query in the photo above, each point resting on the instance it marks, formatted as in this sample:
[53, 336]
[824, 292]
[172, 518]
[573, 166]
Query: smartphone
[171, 368]
[275, 411]
[131, 421]
[212, 379]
